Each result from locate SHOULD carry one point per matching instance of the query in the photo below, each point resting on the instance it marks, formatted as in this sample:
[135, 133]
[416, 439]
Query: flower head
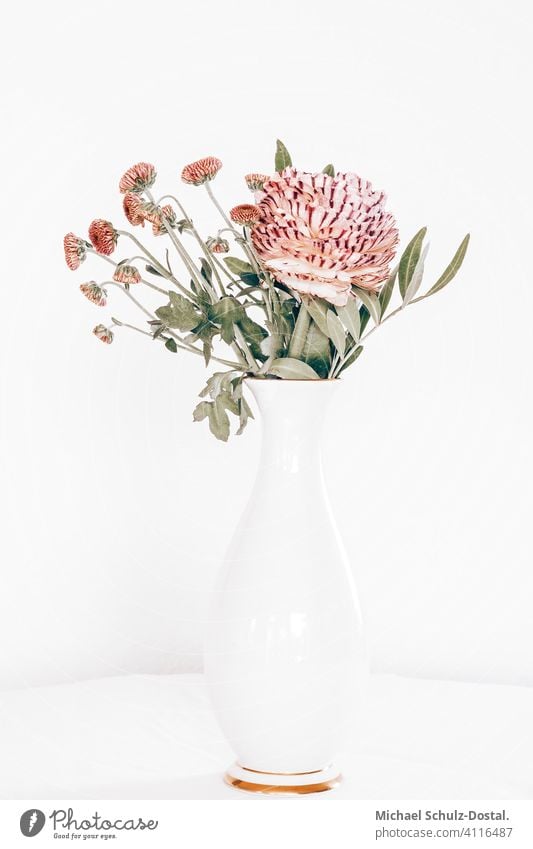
[132, 209]
[105, 334]
[246, 214]
[75, 251]
[158, 226]
[126, 274]
[322, 235]
[103, 236]
[138, 178]
[217, 245]
[94, 293]
[255, 182]
[201, 171]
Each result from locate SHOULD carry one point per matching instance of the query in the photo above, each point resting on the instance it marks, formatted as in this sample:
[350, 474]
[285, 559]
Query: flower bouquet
[284, 653]
[311, 283]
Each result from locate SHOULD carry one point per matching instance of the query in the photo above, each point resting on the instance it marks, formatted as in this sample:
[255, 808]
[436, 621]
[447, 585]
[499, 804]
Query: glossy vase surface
[285, 655]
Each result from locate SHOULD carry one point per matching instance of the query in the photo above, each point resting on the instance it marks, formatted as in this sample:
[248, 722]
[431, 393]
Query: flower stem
[157, 265]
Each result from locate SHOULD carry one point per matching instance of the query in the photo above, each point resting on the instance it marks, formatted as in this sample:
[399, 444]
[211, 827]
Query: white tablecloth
[155, 737]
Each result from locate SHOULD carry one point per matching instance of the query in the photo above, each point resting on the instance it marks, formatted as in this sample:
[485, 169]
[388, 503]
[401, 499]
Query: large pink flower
[322, 235]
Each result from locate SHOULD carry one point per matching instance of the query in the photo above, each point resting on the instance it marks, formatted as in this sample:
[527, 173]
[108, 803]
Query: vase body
[285, 656]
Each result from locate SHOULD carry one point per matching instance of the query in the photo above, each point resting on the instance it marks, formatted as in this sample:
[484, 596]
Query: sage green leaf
[409, 260]
[151, 270]
[283, 158]
[250, 280]
[317, 350]
[370, 301]
[318, 311]
[386, 293]
[180, 313]
[416, 279]
[336, 332]
[201, 411]
[254, 335]
[216, 384]
[452, 269]
[170, 345]
[218, 418]
[226, 312]
[364, 316]
[245, 413]
[291, 369]
[349, 315]
[352, 358]
[329, 170]
[238, 266]
[207, 271]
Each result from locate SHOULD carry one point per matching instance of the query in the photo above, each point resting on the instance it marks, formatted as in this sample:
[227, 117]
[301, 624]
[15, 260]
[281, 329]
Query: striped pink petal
[322, 235]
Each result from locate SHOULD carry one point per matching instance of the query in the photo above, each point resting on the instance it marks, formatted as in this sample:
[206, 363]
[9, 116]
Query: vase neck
[292, 414]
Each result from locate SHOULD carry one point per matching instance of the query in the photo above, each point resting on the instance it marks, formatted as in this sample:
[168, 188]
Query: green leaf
[151, 270]
[416, 279]
[364, 315]
[291, 369]
[336, 332]
[329, 170]
[349, 315]
[386, 293]
[283, 159]
[226, 312]
[370, 301]
[207, 271]
[238, 266]
[251, 280]
[254, 335]
[452, 269]
[245, 413]
[170, 345]
[217, 416]
[351, 359]
[409, 260]
[318, 311]
[180, 313]
[317, 350]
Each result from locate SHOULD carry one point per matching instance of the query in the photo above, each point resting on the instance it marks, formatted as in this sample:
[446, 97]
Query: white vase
[285, 656]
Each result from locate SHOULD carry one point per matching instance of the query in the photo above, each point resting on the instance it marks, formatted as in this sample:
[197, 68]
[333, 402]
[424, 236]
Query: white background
[116, 508]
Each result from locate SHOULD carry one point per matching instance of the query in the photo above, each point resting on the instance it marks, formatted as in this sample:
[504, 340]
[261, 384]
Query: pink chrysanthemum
[126, 274]
[105, 334]
[75, 251]
[201, 171]
[94, 293]
[246, 214]
[322, 235]
[217, 245]
[103, 236]
[132, 209]
[138, 177]
[158, 227]
[255, 182]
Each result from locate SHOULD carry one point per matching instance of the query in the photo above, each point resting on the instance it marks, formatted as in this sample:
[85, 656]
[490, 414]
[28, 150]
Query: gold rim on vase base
[300, 789]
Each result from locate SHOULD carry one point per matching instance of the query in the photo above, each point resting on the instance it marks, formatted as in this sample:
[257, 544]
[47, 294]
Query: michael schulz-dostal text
[455, 815]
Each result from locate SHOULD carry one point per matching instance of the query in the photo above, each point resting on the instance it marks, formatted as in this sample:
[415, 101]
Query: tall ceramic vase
[285, 656]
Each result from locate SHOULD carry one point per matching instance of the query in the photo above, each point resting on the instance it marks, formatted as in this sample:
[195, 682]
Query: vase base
[284, 783]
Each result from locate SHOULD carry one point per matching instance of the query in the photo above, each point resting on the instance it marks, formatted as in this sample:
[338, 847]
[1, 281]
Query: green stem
[205, 250]
[155, 262]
